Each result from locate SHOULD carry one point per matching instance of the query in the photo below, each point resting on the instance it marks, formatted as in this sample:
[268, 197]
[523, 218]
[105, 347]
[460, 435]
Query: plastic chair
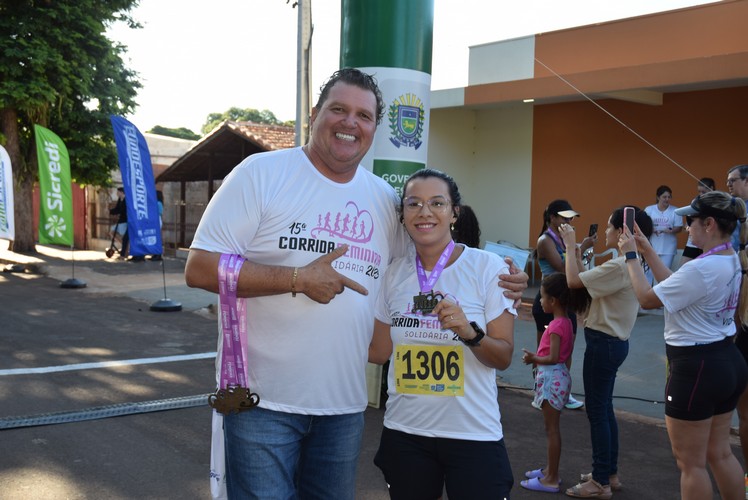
[530, 265]
[595, 256]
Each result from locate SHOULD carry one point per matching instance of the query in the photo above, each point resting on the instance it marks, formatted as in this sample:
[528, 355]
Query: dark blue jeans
[602, 358]
[276, 455]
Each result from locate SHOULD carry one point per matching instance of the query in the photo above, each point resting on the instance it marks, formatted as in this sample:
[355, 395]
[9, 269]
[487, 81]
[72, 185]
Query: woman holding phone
[706, 372]
[607, 328]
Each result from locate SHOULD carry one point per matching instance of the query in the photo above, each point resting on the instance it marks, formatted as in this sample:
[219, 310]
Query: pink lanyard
[718, 248]
[427, 284]
[555, 238]
[233, 323]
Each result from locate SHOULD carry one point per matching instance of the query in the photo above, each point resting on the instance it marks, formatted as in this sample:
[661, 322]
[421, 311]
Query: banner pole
[165, 304]
[73, 282]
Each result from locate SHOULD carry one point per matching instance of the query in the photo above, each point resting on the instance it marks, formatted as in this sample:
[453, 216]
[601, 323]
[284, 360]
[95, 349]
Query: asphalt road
[166, 357]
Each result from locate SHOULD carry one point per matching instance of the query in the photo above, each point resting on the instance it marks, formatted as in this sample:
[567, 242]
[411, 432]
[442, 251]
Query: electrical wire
[648, 143]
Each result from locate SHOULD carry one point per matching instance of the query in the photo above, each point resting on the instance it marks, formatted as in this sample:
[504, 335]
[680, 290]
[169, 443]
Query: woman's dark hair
[425, 173]
[707, 182]
[642, 219]
[663, 189]
[574, 299]
[466, 228]
[552, 209]
[352, 76]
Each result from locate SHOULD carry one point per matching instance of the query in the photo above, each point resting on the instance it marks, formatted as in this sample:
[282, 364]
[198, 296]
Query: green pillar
[391, 39]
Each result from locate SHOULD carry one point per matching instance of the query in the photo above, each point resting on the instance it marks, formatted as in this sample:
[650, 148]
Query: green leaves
[61, 71]
[240, 115]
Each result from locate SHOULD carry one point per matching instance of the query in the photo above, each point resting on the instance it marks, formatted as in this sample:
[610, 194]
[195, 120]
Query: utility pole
[304, 63]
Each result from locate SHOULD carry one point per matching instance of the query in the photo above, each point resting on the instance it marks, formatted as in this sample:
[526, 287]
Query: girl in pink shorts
[553, 381]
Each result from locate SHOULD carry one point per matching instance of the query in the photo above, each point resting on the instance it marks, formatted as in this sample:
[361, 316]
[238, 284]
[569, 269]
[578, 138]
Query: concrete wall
[489, 153]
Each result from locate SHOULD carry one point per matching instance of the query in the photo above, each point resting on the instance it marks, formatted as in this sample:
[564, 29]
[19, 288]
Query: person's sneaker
[573, 404]
[535, 405]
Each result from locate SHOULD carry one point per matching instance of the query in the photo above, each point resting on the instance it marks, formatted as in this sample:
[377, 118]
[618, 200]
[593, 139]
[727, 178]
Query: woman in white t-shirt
[445, 327]
[706, 372]
[666, 225]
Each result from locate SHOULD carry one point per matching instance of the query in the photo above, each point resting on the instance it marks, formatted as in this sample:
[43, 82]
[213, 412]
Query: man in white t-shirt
[310, 222]
[737, 185]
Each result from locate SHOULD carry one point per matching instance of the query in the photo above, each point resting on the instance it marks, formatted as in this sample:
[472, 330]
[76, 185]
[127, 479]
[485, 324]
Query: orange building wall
[655, 38]
[583, 155]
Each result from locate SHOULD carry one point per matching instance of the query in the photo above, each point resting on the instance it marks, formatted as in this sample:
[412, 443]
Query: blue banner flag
[143, 225]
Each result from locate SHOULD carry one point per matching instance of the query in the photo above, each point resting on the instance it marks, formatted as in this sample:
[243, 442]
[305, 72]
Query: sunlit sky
[195, 57]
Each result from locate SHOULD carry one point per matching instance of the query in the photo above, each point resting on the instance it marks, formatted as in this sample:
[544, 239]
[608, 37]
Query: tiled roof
[270, 136]
[224, 147]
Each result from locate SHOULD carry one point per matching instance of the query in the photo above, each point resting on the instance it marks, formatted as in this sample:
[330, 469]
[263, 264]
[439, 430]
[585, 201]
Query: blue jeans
[602, 358]
[276, 455]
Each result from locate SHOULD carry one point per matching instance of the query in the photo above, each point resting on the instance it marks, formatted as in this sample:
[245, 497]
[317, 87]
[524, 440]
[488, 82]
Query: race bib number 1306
[429, 370]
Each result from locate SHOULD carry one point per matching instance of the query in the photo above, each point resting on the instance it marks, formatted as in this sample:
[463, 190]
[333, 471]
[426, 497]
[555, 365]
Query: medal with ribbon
[426, 300]
[233, 394]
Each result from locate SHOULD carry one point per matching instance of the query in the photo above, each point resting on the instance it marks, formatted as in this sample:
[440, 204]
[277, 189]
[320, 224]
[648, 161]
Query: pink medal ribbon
[233, 322]
[233, 394]
[427, 284]
[718, 248]
[555, 238]
[426, 300]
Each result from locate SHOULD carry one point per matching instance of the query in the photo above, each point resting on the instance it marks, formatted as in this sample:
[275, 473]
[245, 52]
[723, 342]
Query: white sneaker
[573, 404]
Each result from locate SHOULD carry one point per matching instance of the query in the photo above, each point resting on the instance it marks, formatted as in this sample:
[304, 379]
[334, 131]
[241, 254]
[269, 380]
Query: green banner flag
[55, 193]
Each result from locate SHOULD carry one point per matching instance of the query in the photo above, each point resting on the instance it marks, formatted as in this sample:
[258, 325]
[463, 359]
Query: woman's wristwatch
[631, 256]
[479, 334]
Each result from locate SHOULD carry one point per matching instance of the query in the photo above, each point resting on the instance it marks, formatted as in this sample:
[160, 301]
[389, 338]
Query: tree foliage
[240, 115]
[59, 70]
[179, 133]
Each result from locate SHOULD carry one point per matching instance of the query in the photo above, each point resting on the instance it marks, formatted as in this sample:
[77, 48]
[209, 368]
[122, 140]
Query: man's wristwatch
[479, 334]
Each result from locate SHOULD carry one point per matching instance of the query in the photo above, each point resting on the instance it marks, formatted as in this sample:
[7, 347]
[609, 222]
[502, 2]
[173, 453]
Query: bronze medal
[426, 302]
[233, 399]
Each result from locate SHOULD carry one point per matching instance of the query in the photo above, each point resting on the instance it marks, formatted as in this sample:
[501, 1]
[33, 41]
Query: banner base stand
[166, 305]
[73, 283]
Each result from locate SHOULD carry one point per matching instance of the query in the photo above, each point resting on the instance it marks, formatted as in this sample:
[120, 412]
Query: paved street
[77, 355]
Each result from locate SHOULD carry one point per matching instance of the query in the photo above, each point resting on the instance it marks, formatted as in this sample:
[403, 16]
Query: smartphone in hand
[593, 230]
[628, 218]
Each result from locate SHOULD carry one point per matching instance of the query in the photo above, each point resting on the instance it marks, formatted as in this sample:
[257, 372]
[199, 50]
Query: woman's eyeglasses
[436, 205]
[691, 218]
